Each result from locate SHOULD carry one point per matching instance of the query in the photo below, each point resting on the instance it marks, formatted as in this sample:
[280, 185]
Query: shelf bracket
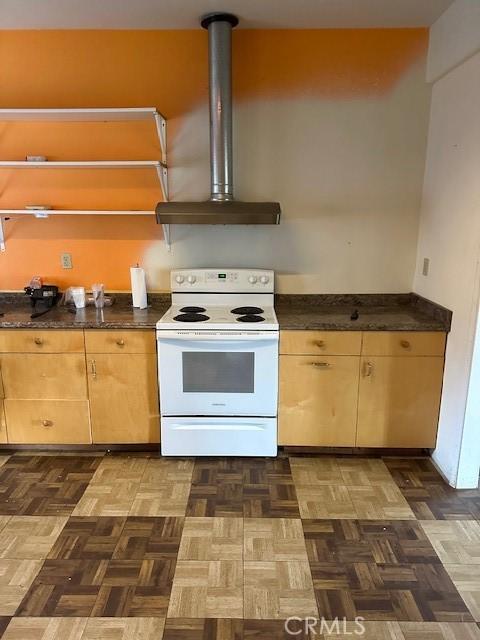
[161, 125]
[2, 236]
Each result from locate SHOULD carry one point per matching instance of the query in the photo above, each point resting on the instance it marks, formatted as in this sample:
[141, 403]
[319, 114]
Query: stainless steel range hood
[221, 208]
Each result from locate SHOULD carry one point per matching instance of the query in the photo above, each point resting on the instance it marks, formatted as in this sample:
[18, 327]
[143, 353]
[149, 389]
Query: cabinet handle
[320, 343]
[47, 423]
[367, 369]
[38, 341]
[120, 342]
[405, 344]
[321, 365]
[93, 368]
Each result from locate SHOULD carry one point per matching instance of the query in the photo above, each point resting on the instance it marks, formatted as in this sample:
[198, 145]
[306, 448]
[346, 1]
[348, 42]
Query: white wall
[450, 237]
[348, 173]
[453, 38]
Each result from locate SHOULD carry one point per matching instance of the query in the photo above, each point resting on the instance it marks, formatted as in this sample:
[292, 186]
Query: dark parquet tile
[275, 630]
[227, 629]
[248, 487]
[380, 571]
[203, 629]
[149, 538]
[44, 485]
[379, 541]
[88, 538]
[100, 588]
[428, 495]
[4, 622]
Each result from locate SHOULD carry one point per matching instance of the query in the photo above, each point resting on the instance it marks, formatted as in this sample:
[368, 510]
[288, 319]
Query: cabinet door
[399, 401]
[123, 391]
[318, 400]
[44, 375]
[3, 424]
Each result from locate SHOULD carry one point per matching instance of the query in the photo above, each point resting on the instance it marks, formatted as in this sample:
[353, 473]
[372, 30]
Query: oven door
[218, 374]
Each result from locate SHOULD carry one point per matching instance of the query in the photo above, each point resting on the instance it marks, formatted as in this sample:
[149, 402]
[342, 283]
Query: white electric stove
[218, 364]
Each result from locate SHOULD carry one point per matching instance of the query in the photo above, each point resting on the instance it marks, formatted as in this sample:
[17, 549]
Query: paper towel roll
[139, 287]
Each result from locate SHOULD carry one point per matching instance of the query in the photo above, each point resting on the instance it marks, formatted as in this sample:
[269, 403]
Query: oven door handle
[164, 336]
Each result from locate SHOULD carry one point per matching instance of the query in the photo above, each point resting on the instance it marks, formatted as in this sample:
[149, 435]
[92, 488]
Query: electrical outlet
[66, 259]
[426, 266]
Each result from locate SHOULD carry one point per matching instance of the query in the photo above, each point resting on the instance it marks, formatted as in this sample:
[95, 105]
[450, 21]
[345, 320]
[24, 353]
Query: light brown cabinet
[385, 393]
[122, 386]
[44, 375]
[49, 399]
[48, 421]
[318, 400]
[3, 424]
[123, 394]
[398, 401]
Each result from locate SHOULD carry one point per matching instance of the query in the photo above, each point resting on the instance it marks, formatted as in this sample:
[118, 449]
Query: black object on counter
[47, 294]
[354, 315]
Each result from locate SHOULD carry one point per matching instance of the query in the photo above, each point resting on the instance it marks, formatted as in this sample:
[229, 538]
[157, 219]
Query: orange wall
[166, 69]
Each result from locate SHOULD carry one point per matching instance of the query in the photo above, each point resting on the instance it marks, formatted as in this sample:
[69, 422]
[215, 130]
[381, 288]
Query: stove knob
[264, 279]
[191, 279]
[179, 279]
[252, 279]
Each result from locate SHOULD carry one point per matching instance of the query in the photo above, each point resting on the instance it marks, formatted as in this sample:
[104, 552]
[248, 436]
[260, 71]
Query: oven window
[207, 372]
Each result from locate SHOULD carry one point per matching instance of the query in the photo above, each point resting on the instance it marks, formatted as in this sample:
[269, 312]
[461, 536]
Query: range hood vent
[221, 208]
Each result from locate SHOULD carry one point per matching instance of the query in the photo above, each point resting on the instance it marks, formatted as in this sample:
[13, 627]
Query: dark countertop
[121, 315]
[377, 312]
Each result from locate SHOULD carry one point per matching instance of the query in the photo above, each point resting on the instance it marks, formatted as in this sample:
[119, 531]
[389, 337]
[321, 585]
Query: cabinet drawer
[403, 343]
[122, 341]
[35, 375]
[339, 343]
[45, 341]
[47, 422]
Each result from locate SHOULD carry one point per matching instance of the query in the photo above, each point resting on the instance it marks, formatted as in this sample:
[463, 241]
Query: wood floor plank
[30, 537]
[124, 629]
[466, 578]
[16, 577]
[276, 590]
[45, 629]
[274, 539]
[205, 629]
[428, 495]
[456, 542]
[207, 589]
[442, 631]
[212, 539]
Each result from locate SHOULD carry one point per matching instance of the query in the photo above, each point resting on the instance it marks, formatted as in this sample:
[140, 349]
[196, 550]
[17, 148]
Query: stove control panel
[217, 280]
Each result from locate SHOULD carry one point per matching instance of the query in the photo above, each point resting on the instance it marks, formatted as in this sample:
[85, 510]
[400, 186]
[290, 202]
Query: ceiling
[183, 14]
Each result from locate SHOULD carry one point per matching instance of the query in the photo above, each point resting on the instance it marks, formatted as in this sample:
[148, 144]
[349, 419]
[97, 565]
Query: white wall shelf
[89, 115]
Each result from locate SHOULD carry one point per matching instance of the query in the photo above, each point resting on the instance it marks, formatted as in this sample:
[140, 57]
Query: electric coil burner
[219, 378]
[250, 318]
[247, 311]
[191, 317]
[192, 309]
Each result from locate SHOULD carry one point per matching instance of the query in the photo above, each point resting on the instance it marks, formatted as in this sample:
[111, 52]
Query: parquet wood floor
[139, 547]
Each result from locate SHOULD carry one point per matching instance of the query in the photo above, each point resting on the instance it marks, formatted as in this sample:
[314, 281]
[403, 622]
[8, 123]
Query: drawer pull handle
[121, 342]
[405, 344]
[367, 369]
[38, 341]
[47, 423]
[321, 365]
[93, 368]
[320, 343]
